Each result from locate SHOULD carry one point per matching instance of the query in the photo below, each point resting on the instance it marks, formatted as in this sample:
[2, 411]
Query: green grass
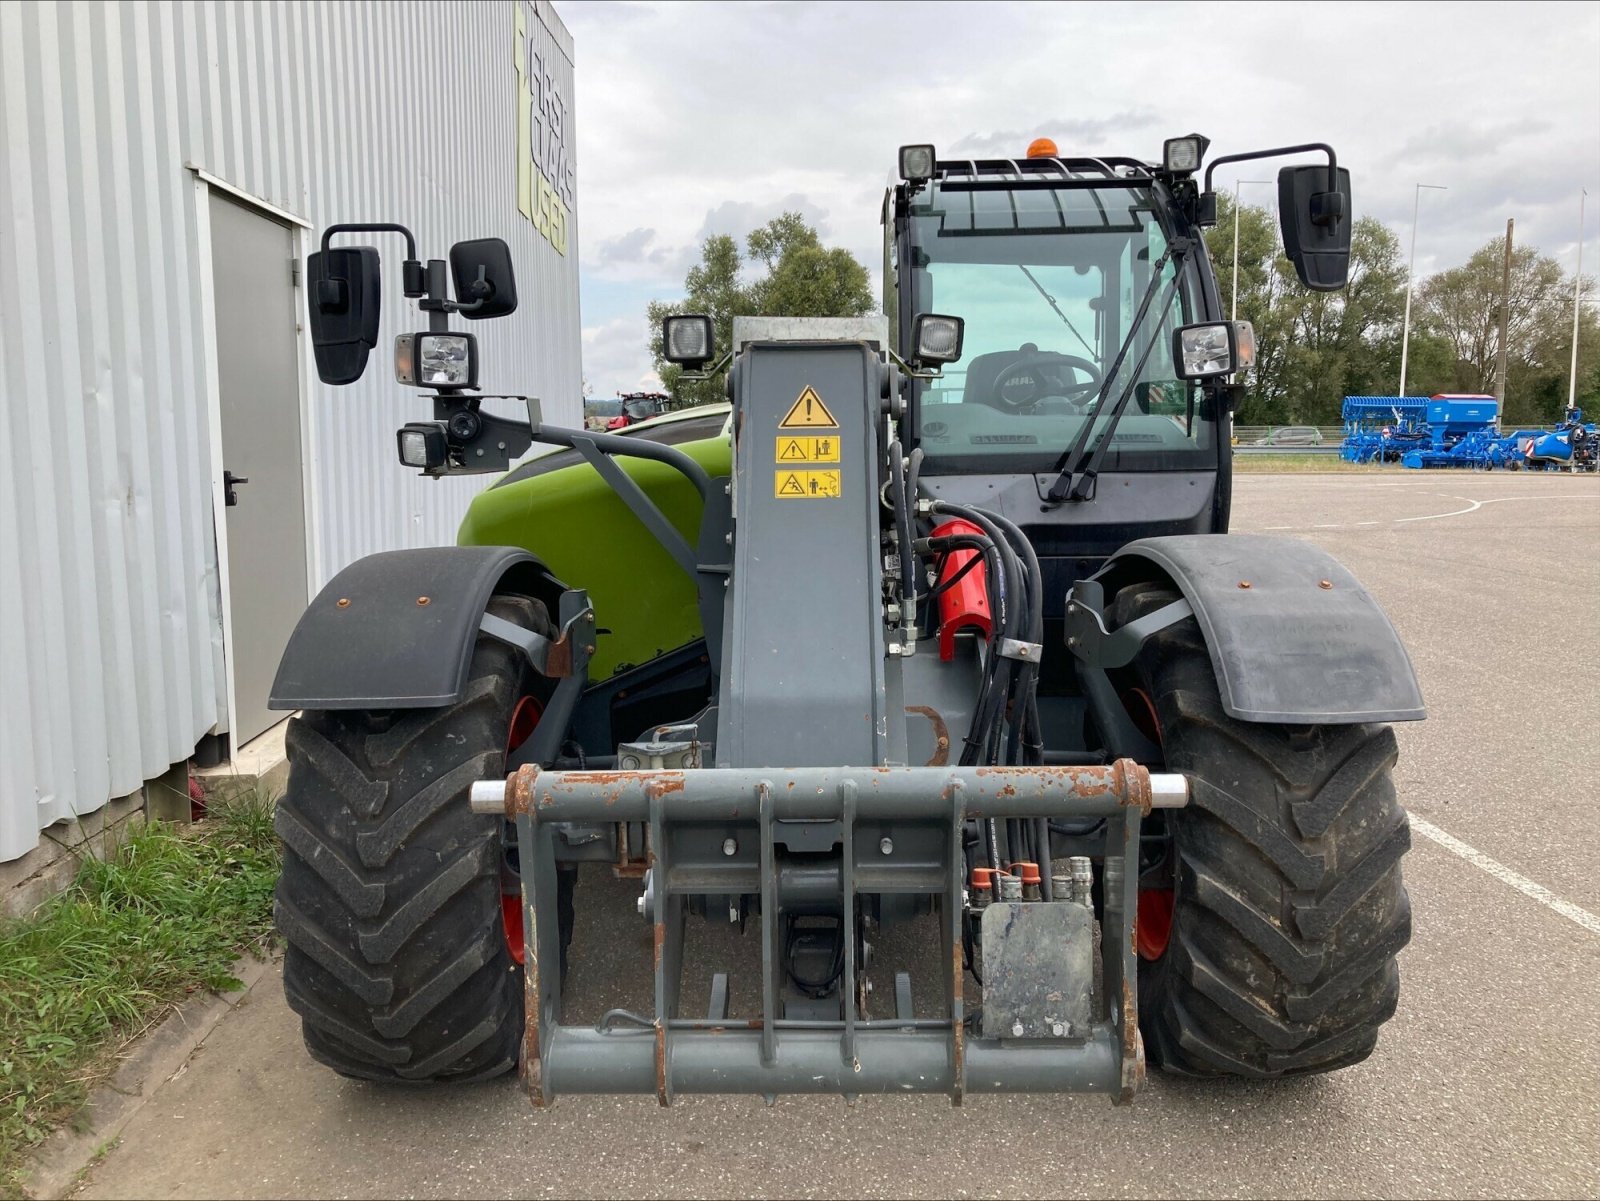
[1277, 464]
[164, 916]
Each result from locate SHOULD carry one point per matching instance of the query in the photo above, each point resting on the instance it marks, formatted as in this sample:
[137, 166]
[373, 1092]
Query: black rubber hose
[990, 716]
[902, 528]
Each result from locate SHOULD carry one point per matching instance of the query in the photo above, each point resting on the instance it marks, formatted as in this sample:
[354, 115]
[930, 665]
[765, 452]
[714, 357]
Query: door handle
[229, 481]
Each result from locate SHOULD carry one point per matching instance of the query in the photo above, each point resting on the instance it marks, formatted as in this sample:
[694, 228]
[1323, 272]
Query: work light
[442, 361]
[1181, 156]
[917, 163]
[1213, 349]
[687, 340]
[423, 444]
[936, 338]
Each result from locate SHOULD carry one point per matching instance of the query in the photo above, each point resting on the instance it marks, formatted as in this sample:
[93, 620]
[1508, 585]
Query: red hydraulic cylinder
[965, 605]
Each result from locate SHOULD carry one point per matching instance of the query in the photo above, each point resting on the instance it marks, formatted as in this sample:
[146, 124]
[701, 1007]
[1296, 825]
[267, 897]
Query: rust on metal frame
[941, 734]
[662, 1097]
[628, 866]
[1131, 781]
[558, 661]
[519, 791]
[1132, 1047]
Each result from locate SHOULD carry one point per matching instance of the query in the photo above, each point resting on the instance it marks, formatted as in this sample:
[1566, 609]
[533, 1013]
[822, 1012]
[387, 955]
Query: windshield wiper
[1051, 300]
[1072, 460]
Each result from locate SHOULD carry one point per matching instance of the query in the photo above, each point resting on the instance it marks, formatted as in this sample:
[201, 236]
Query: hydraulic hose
[902, 529]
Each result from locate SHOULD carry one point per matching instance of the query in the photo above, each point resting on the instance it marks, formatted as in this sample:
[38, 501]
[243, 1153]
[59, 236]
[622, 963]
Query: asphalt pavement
[1485, 1084]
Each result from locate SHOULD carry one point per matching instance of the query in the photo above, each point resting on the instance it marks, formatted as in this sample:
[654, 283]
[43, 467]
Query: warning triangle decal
[791, 451]
[791, 486]
[808, 412]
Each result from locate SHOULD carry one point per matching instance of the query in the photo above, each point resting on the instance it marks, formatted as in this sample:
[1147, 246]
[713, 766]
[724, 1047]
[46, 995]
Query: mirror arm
[1333, 161]
[411, 274]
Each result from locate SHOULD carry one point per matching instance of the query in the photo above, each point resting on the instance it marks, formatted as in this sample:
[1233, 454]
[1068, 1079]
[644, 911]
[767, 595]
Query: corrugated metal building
[168, 167]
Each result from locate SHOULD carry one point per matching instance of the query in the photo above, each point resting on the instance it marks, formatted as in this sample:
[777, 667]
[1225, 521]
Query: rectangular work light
[917, 163]
[687, 340]
[442, 361]
[1213, 349]
[423, 444]
[936, 338]
[1181, 156]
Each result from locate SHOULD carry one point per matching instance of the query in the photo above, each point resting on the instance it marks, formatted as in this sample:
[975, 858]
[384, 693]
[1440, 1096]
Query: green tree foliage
[1315, 348]
[796, 276]
[1461, 309]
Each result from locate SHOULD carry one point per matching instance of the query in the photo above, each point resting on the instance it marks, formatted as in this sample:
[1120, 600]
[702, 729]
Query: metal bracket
[1089, 640]
[553, 660]
[1097, 649]
[1026, 652]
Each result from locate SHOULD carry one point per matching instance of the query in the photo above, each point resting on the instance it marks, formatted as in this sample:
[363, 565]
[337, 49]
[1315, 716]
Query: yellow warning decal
[804, 485]
[807, 412]
[807, 448]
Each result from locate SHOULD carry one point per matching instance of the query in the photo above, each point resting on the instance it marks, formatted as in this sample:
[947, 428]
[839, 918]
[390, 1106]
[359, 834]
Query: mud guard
[396, 630]
[1294, 637]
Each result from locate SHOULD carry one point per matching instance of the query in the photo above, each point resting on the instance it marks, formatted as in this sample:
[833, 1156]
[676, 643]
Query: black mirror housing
[344, 301]
[485, 284]
[1316, 225]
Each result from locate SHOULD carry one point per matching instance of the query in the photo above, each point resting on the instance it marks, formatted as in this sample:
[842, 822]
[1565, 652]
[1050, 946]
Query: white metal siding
[111, 660]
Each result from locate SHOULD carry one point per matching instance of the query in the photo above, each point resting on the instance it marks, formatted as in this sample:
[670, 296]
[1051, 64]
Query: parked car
[1291, 435]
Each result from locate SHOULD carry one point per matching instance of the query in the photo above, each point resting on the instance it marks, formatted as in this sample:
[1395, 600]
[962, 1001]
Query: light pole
[1411, 271]
[1233, 314]
[1577, 296]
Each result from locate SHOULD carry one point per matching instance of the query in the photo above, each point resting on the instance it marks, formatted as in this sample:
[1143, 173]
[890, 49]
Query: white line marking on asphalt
[1505, 875]
[1472, 507]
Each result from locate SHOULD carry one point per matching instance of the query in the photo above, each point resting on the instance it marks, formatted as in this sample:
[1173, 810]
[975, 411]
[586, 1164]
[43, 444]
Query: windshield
[1048, 282]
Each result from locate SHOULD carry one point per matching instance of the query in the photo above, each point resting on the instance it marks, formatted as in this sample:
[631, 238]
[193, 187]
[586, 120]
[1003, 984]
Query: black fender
[396, 630]
[1294, 637]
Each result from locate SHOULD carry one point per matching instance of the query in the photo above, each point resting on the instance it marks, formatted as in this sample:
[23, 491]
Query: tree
[801, 278]
[1312, 348]
[1347, 343]
[1461, 307]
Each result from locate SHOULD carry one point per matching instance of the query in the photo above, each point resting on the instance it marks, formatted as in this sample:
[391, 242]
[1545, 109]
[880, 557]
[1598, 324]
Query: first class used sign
[546, 173]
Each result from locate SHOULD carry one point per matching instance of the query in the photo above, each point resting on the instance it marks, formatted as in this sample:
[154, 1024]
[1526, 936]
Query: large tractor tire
[1272, 913]
[390, 899]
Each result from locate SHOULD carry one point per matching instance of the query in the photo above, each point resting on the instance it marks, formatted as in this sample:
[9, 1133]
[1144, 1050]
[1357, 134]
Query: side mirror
[1316, 225]
[482, 273]
[344, 301]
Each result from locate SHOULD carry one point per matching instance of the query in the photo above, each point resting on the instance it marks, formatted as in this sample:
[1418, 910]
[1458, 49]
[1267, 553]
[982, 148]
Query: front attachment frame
[668, 1053]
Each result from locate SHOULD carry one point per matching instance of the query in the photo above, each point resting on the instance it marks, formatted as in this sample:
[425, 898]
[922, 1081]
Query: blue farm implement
[1459, 431]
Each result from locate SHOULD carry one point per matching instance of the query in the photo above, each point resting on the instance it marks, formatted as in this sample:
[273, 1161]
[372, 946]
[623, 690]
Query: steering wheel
[1036, 374]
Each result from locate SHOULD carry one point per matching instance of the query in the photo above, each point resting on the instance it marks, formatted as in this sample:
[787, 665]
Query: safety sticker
[808, 412]
[808, 448]
[803, 485]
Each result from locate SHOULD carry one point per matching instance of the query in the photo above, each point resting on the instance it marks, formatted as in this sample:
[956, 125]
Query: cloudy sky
[701, 118]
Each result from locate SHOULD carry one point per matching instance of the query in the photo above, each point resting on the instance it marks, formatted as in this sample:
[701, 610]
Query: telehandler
[937, 621]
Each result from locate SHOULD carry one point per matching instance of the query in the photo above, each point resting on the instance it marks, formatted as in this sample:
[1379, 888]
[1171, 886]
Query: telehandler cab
[937, 622]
